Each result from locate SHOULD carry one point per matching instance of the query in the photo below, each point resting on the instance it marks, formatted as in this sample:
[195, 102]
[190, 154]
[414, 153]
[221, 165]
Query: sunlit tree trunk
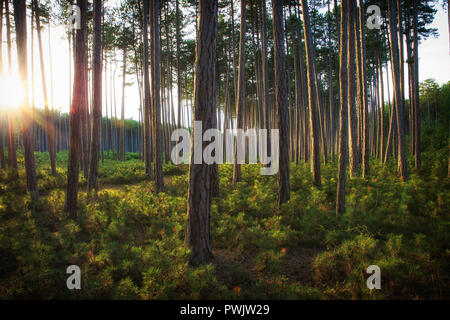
[313, 112]
[10, 126]
[364, 100]
[49, 123]
[352, 120]
[2, 112]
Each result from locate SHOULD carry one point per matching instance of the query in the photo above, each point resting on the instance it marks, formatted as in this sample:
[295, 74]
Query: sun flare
[12, 92]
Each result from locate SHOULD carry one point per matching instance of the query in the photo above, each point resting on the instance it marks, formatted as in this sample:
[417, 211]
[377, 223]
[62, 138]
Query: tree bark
[240, 98]
[49, 123]
[156, 86]
[27, 119]
[397, 89]
[76, 110]
[147, 98]
[313, 112]
[417, 158]
[352, 120]
[281, 101]
[198, 236]
[10, 125]
[364, 100]
[343, 115]
[97, 97]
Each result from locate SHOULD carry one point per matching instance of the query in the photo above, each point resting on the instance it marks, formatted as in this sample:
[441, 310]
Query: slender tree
[156, 102]
[364, 99]
[76, 110]
[343, 114]
[10, 126]
[147, 98]
[2, 152]
[281, 101]
[417, 158]
[240, 97]
[352, 120]
[49, 123]
[21, 40]
[97, 96]
[313, 111]
[397, 89]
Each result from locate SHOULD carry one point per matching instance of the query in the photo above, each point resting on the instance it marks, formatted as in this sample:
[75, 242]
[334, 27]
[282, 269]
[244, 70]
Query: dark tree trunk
[265, 74]
[198, 236]
[147, 98]
[240, 97]
[27, 119]
[2, 151]
[156, 85]
[343, 115]
[76, 112]
[397, 89]
[417, 158]
[281, 101]
[179, 83]
[122, 115]
[10, 126]
[97, 96]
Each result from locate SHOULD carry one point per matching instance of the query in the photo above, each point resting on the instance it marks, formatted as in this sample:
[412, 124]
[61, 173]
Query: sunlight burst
[12, 92]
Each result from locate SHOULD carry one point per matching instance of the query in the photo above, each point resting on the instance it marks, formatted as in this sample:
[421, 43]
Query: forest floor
[129, 241]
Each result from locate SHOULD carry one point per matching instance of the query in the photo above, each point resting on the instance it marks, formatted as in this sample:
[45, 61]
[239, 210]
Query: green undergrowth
[129, 241]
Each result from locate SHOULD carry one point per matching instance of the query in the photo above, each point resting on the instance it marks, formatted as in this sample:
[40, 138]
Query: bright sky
[434, 57]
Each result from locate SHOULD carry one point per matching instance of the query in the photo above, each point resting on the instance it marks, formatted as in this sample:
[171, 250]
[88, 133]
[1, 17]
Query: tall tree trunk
[49, 123]
[179, 83]
[76, 110]
[417, 158]
[156, 86]
[97, 96]
[122, 116]
[352, 120]
[281, 101]
[240, 97]
[313, 112]
[147, 98]
[397, 92]
[10, 125]
[343, 116]
[2, 151]
[265, 73]
[198, 236]
[364, 100]
[21, 40]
